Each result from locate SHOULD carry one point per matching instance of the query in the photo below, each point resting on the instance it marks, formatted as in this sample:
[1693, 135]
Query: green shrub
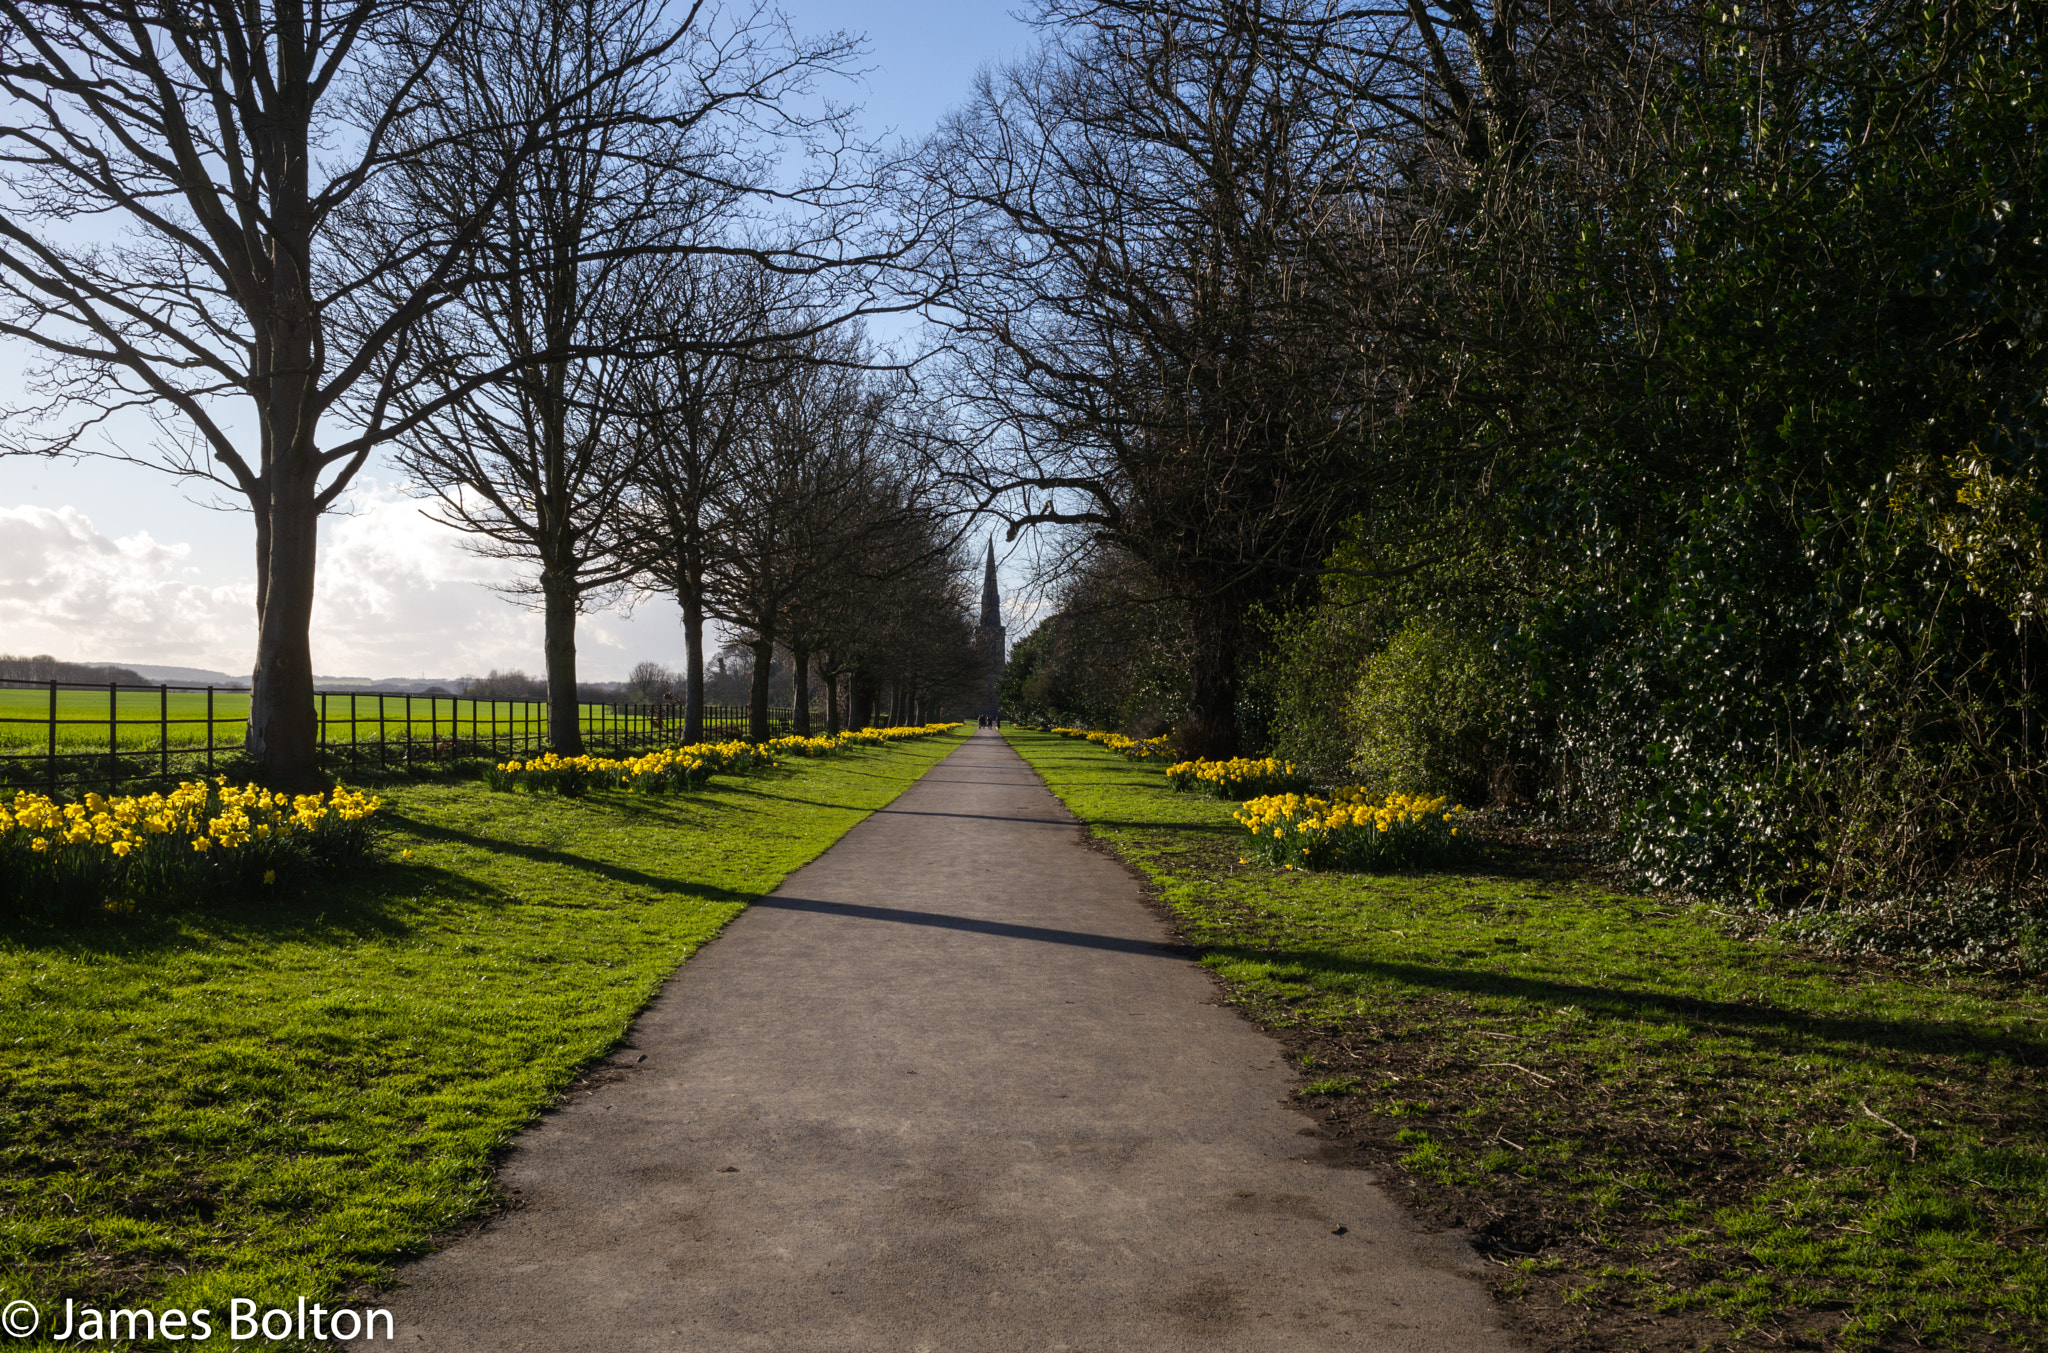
[1425, 713]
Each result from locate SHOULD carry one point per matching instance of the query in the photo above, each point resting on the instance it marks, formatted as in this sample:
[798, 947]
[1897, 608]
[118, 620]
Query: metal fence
[56, 733]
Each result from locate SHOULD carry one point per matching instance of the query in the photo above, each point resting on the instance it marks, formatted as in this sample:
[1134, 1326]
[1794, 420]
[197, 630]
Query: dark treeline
[1628, 411]
[43, 667]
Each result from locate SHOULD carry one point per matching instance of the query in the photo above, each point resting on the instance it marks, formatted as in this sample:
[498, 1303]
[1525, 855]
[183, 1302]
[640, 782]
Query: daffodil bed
[203, 836]
[1352, 829]
[1238, 779]
[284, 1094]
[683, 768]
[1134, 749]
[1660, 1132]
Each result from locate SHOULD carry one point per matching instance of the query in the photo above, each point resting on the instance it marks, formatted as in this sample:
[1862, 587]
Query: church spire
[989, 639]
[991, 604]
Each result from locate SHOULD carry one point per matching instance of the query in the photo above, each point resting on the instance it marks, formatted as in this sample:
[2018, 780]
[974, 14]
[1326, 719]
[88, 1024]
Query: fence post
[209, 730]
[383, 762]
[113, 734]
[53, 735]
[163, 728]
[408, 728]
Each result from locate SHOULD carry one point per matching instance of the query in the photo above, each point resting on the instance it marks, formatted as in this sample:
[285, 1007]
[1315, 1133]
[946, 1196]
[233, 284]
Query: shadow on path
[940, 920]
[978, 817]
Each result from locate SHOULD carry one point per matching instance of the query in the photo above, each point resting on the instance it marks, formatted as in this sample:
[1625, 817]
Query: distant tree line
[43, 667]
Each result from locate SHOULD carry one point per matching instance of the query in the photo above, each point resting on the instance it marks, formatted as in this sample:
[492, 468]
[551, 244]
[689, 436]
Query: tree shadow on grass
[545, 855]
[846, 769]
[791, 798]
[1102, 824]
[370, 900]
[683, 809]
[1762, 1020]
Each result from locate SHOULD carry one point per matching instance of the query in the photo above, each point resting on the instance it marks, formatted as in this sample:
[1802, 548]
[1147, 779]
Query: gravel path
[945, 1090]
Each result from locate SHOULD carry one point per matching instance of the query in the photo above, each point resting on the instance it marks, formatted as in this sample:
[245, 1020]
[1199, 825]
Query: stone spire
[991, 604]
[989, 638]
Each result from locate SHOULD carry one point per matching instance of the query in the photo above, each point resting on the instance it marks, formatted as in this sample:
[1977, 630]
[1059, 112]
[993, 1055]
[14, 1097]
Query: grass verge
[1664, 1136]
[275, 1100]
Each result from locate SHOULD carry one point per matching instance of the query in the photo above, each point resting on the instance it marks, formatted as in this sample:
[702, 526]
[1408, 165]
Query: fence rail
[57, 733]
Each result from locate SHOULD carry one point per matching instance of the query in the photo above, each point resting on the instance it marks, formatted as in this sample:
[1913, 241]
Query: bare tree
[918, 644]
[1220, 259]
[1160, 277]
[173, 181]
[794, 497]
[864, 543]
[535, 461]
[691, 403]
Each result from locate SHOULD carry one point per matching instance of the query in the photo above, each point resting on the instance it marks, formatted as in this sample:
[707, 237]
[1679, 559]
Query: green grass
[284, 1097]
[1635, 1111]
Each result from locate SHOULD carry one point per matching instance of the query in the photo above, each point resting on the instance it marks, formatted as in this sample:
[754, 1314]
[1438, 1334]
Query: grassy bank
[1664, 1136]
[284, 1099]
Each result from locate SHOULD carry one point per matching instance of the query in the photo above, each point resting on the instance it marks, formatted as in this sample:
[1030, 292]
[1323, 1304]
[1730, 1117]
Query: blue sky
[109, 562]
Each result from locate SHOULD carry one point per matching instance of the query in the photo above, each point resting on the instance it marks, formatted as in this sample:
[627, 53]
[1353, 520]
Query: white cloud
[398, 595]
[66, 589]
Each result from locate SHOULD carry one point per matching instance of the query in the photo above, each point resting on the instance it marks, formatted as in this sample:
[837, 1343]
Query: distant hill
[388, 685]
[200, 676]
[184, 676]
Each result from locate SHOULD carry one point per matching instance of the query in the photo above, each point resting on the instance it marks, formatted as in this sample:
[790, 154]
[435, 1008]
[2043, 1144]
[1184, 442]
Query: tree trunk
[832, 705]
[283, 731]
[764, 666]
[558, 645]
[800, 713]
[693, 664]
[1210, 732]
[860, 700]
